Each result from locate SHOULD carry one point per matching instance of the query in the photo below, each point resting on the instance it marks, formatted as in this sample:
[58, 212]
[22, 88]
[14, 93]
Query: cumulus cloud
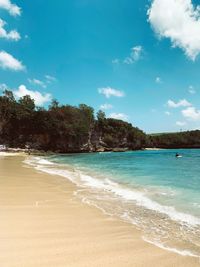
[135, 55]
[37, 82]
[106, 106]
[179, 21]
[12, 35]
[167, 113]
[13, 9]
[191, 113]
[40, 99]
[180, 103]
[119, 116]
[181, 123]
[7, 61]
[108, 92]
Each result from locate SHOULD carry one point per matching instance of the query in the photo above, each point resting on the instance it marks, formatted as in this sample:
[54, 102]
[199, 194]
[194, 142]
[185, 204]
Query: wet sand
[43, 224]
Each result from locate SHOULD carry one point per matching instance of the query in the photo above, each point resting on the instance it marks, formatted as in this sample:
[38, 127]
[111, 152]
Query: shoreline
[25, 152]
[44, 224]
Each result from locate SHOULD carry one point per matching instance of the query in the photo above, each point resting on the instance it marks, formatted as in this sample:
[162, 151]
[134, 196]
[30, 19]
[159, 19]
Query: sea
[152, 190]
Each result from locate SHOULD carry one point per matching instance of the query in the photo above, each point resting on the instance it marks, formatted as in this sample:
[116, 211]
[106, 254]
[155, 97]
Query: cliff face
[111, 138]
[96, 140]
[115, 135]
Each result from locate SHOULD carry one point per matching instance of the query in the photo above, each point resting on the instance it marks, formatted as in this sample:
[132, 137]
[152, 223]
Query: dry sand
[43, 224]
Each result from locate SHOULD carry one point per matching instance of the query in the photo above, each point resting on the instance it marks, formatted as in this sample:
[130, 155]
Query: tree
[54, 104]
[101, 116]
[9, 95]
[88, 117]
[101, 119]
[27, 102]
[7, 112]
[88, 113]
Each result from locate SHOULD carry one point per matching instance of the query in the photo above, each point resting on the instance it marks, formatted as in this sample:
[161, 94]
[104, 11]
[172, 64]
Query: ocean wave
[175, 250]
[38, 160]
[118, 190]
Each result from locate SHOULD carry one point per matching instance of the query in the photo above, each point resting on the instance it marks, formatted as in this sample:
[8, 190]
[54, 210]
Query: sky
[136, 60]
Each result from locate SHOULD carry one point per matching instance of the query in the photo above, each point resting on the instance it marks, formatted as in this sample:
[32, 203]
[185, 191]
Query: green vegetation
[63, 128]
[189, 139]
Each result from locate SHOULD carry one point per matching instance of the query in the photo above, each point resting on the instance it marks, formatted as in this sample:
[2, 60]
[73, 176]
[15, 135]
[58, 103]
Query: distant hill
[158, 134]
[186, 139]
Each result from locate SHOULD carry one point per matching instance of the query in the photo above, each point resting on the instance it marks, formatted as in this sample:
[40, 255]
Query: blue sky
[137, 60]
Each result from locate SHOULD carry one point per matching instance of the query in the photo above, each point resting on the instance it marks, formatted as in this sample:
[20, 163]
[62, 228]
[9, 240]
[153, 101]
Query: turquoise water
[153, 190]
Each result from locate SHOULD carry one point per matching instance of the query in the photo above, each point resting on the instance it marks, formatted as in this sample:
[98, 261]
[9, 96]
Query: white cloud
[191, 90]
[3, 87]
[119, 116]
[12, 35]
[108, 92]
[180, 103]
[37, 82]
[191, 113]
[7, 61]
[106, 106]
[135, 55]
[13, 9]
[50, 78]
[179, 21]
[181, 123]
[167, 113]
[40, 99]
[158, 80]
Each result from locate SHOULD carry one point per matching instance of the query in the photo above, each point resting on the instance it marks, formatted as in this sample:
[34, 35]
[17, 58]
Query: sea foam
[126, 194]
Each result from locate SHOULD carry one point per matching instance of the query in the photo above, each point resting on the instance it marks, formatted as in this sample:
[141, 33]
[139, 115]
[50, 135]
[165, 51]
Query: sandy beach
[43, 224]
